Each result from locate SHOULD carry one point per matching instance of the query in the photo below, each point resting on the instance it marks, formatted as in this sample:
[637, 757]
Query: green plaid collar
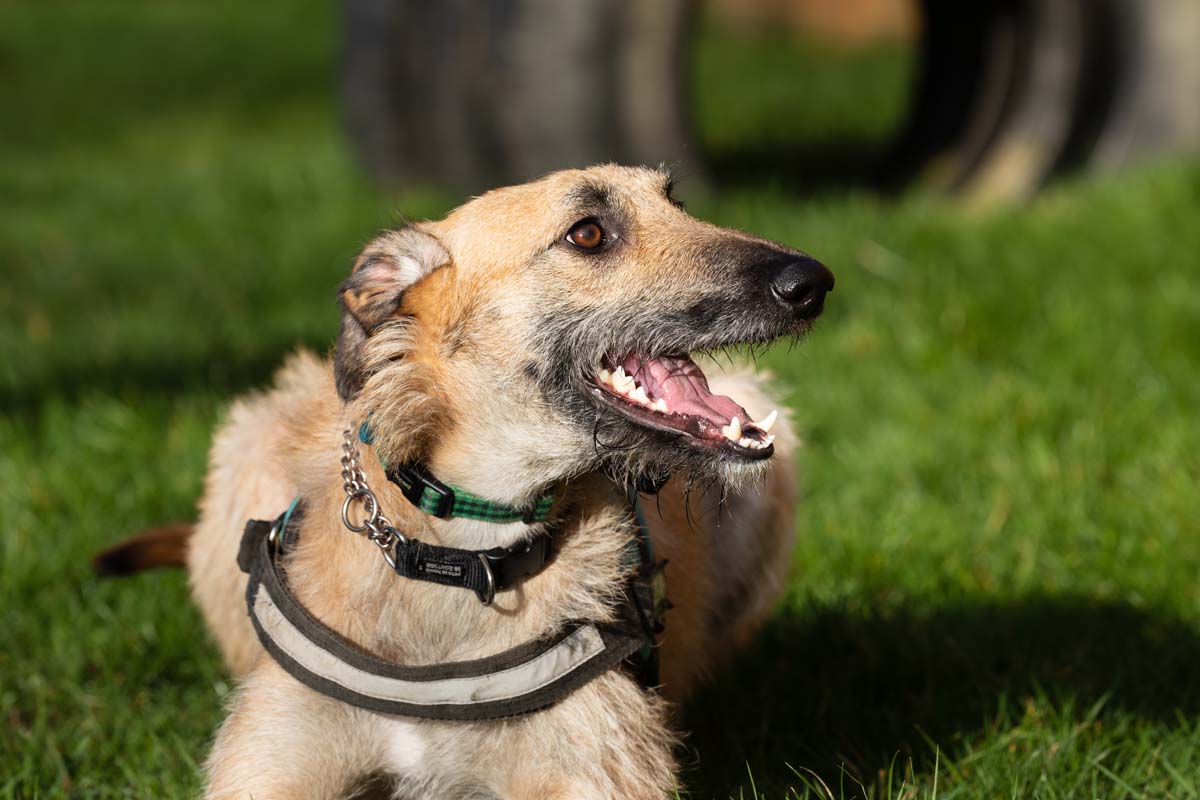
[440, 500]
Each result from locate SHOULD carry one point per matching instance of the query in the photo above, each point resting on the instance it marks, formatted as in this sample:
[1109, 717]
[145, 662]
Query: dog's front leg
[283, 740]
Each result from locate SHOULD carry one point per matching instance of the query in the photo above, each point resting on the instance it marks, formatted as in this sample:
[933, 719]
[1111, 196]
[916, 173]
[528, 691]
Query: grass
[996, 588]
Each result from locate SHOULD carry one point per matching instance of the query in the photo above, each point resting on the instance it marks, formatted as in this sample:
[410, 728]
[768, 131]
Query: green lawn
[997, 588]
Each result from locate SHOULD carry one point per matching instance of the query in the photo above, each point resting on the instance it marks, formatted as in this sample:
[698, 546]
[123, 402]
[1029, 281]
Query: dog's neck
[502, 475]
[419, 622]
[512, 468]
[509, 467]
[473, 534]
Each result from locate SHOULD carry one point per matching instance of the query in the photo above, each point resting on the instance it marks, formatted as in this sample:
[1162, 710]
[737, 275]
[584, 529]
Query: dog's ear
[386, 267]
[371, 295]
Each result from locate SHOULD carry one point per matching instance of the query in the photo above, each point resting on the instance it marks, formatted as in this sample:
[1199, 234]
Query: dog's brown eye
[586, 234]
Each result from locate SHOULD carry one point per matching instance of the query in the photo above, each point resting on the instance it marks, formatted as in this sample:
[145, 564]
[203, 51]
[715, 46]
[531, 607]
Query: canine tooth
[767, 422]
[659, 405]
[639, 394]
[770, 440]
[622, 382]
[733, 431]
[605, 376]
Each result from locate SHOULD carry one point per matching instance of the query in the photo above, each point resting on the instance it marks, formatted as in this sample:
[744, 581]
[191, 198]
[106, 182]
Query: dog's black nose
[802, 284]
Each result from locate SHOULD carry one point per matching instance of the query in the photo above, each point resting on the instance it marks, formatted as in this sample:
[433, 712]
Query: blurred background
[989, 99]
[995, 587]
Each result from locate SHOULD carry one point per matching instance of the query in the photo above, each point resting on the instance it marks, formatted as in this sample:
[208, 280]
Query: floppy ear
[371, 295]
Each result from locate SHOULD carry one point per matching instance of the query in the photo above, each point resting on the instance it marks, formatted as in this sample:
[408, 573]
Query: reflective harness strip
[553, 663]
[520, 680]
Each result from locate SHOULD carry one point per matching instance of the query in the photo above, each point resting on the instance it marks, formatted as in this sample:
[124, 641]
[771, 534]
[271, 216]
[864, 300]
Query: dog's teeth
[733, 431]
[746, 442]
[767, 422]
[770, 440]
[605, 377]
[622, 382]
[639, 394]
[659, 405]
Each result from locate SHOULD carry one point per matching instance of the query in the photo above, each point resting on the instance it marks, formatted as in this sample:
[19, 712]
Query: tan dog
[534, 339]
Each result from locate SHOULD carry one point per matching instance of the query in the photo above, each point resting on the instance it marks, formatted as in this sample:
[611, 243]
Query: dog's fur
[468, 343]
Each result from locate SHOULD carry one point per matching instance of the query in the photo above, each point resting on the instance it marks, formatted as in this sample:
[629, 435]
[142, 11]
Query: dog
[535, 339]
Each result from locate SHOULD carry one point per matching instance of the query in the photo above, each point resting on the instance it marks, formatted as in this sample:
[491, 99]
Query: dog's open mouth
[670, 393]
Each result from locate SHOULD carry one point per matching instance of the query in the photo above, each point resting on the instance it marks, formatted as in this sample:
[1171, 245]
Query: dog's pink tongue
[681, 383]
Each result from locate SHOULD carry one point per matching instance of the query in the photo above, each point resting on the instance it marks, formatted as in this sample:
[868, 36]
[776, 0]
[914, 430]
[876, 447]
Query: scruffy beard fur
[473, 344]
[624, 449]
[406, 405]
[403, 402]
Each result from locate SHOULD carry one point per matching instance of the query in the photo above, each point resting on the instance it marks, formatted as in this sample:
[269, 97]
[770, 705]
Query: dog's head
[548, 327]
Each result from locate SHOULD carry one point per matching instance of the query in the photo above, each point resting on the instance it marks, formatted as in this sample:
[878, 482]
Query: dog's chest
[403, 744]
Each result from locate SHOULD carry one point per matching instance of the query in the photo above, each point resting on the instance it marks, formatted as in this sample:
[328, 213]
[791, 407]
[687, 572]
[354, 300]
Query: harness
[525, 678]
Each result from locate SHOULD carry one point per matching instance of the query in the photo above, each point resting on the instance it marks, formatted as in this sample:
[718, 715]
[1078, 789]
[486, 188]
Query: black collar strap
[485, 572]
[517, 681]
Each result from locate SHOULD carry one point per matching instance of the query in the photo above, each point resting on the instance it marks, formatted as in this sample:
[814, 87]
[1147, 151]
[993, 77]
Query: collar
[525, 678]
[441, 500]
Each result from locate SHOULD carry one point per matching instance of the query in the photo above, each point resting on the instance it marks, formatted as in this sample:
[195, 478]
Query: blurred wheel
[1022, 148]
[1013, 92]
[1155, 97]
[963, 77]
[475, 94]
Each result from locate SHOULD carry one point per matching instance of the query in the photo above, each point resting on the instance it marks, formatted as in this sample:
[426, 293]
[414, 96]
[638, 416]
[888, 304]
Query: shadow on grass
[835, 689]
[804, 171]
[216, 369]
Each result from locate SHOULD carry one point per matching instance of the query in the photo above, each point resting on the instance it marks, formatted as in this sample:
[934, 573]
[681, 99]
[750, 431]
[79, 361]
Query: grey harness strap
[517, 681]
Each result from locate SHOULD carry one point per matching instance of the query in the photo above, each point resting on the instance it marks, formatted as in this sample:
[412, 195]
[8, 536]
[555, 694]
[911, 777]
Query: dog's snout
[802, 284]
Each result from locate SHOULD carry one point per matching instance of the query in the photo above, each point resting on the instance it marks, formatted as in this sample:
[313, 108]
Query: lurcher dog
[537, 336]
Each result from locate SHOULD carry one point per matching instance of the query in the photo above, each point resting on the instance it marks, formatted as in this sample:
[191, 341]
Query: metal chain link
[377, 527]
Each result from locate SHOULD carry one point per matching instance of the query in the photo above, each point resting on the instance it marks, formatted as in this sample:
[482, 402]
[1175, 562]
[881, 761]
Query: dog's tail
[164, 546]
